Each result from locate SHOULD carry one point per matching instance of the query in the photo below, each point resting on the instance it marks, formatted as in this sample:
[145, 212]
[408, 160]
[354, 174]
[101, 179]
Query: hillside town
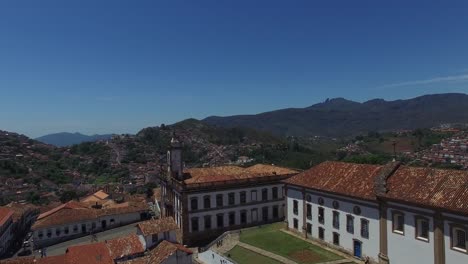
[451, 151]
[334, 211]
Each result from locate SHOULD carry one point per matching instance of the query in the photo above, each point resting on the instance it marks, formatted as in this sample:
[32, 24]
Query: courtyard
[272, 244]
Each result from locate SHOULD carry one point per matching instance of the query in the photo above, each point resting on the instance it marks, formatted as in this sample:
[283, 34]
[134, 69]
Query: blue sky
[119, 66]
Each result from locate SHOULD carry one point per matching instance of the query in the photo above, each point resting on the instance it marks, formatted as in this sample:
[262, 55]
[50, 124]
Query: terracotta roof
[101, 195]
[90, 254]
[446, 189]
[74, 212]
[350, 179]
[96, 197]
[60, 259]
[164, 250]
[5, 214]
[157, 226]
[69, 205]
[20, 209]
[20, 260]
[227, 173]
[125, 246]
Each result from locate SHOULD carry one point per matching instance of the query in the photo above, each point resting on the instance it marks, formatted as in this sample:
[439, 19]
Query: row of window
[458, 234]
[321, 232]
[231, 198]
[232, 218]
[336, 219]
[66, 230]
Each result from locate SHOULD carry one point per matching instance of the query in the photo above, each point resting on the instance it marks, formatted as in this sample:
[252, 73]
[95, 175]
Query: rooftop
[73, 212]
[125, 246]
[5, 214]
[445, 189]
[229, 173]
[157, 226]
[160, 253]
[350, 179]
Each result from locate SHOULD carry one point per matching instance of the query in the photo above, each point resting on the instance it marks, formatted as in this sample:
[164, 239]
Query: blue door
[357, 248]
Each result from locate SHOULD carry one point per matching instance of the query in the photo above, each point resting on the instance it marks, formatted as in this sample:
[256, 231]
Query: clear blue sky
[119, 66]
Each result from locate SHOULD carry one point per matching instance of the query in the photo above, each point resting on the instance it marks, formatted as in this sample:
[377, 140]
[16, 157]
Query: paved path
[266, 253]
[228, 243]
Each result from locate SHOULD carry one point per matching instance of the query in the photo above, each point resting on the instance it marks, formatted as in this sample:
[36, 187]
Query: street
[60, 249]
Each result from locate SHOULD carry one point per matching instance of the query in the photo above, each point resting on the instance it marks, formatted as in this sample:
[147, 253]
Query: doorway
[357, 248]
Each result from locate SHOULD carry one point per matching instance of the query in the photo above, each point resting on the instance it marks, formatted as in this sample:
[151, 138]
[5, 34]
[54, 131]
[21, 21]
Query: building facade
[205, 202]
[73, 219]
[6, 229]
[387, 214]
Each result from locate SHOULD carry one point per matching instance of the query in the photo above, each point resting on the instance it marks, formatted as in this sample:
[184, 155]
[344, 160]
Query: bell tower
[174, 159]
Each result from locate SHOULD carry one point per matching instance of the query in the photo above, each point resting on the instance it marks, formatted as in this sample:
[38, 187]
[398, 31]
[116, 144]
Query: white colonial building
[75, 219]
[387, 214]
[205, 202]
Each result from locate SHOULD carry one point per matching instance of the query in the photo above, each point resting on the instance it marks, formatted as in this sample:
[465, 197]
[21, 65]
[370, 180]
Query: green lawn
[245, 256]
[270, 238]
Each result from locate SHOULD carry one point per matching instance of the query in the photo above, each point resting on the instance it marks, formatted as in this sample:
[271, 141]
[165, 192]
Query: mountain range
[67, 139]
[341, 118]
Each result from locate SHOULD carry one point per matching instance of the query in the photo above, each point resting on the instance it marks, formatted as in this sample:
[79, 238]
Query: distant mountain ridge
[340, 117]
[64, 139]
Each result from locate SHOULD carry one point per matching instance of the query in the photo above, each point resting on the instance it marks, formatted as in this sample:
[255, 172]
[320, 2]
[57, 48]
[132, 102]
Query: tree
[68, 196]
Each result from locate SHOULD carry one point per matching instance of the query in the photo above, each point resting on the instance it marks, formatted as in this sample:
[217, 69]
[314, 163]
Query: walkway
[266, 253]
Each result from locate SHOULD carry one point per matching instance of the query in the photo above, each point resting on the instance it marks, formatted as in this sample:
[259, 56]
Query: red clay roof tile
[350, 179]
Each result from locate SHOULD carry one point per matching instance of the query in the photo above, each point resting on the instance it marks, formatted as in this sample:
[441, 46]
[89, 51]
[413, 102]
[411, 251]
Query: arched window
[309, 198]
[194, 203]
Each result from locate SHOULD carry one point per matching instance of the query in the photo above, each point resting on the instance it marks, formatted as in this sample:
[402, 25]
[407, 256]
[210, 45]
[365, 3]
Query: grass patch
[245, 256]
[272, 239]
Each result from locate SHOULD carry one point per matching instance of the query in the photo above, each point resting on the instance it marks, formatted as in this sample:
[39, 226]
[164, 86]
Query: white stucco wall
[237, 207]
[452, 255]
[369, 211]
[119, 220]
[406, 248]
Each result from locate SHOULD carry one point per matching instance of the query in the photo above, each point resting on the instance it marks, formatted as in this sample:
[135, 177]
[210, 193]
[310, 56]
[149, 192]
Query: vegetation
[343, 118]
[245, 256]
[272, 239]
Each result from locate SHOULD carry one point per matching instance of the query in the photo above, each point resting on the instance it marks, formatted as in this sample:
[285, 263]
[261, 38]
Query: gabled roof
[74, 212]
[90, 254]
[96, 197]
[5, 214]
[444, 189]
[125, 246]
[350, 179]
[229, 173]
[157, 226]
[164, 250]
[68, 205]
